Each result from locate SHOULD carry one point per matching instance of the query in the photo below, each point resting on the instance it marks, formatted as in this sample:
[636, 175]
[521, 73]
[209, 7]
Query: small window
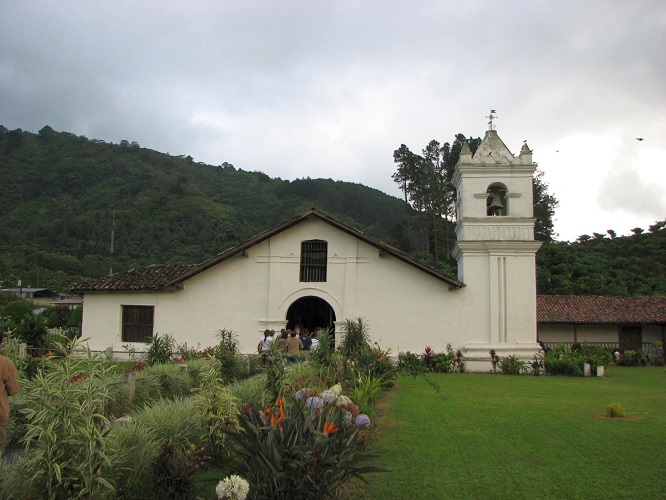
[137, 323]
[314, 256]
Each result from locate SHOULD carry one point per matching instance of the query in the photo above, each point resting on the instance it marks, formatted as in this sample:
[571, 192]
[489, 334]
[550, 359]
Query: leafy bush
[218, 409]
[634, 358]
[355, 340]
[449, 361]
[323, 354]
[176, 422]
[251, 391]
[365, 390]
[173, 381]
[160, 349]
[562, 361]
[297, 451]
[410, 363]
[133, 449]
[175, 472]
[66, 428]
[511, 365]
[377, 363]
[615, 410]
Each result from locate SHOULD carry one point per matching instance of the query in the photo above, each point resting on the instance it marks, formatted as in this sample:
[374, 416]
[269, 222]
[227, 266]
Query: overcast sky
[330, 89]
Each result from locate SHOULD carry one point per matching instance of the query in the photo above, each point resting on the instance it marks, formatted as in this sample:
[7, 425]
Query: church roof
[168, 277]
[492, 151]
[594, 309]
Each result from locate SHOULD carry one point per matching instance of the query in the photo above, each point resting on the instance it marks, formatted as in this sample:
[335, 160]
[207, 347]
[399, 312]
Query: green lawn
[498, 436]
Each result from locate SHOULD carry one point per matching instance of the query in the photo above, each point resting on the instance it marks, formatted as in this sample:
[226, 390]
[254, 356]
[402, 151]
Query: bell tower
[496, 250]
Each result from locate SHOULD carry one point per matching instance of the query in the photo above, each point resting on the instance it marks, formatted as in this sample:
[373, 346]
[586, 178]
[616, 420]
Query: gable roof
[142, 279]
[167, 277]
[594, 309]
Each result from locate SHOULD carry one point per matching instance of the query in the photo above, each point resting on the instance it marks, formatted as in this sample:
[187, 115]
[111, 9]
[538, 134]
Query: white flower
[329, 396]
[337, 389]
[343, 401]
[232, 488]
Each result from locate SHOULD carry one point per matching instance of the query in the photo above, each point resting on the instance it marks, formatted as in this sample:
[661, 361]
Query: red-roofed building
[623, 322]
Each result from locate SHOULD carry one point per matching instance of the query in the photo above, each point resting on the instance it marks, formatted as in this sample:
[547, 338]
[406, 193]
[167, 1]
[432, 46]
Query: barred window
[137, 323]
[314, 254]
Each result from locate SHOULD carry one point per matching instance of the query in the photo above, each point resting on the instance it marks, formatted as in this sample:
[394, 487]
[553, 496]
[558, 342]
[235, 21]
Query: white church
[315, 271]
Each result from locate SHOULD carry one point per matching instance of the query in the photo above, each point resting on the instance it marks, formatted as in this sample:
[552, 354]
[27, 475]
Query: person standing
[10, 386]
[294, 345]
[264, 347]
[305, 339]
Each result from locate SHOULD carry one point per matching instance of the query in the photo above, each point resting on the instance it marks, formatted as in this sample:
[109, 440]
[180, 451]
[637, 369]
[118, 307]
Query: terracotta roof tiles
[594, 309]
[145, 278]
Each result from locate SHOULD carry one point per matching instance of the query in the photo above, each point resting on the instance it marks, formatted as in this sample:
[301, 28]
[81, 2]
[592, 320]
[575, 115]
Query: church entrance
[311, 312]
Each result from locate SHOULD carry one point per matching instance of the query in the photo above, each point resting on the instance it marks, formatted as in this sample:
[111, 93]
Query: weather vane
[491, 117]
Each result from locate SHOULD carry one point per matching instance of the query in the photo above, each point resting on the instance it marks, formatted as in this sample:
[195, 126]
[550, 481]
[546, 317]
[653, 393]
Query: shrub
[251, 391]
[377, 363]
[427, 358]
[615, 410]
[160, 349]
[218, 409]
[173, 381]
[365, 391]
[561, 361]
[133, 449]
[511, 365]
[410, 363]
[176, 422]
[175, 472]
[292, 451]
[323, 354]
[633, 358]
[355, 341]
[66, 429]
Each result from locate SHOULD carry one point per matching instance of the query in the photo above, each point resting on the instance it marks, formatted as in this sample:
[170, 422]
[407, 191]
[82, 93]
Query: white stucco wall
[405, 308]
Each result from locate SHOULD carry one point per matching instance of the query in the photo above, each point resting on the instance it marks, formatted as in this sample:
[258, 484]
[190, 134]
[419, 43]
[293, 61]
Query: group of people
[291, 342]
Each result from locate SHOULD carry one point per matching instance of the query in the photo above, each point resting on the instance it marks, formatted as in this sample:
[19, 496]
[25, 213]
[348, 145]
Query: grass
[494, 436]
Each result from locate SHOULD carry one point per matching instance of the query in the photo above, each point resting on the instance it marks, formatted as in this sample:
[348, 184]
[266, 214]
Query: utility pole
[113, 233]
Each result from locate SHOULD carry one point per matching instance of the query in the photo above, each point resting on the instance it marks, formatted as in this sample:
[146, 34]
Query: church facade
[314, 271]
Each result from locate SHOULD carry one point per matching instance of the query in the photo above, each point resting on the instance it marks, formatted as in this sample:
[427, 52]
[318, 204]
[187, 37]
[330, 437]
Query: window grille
[137, 323]
[314, 255]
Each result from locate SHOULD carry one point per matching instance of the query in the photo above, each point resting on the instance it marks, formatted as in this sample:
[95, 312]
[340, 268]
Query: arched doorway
[311, 312]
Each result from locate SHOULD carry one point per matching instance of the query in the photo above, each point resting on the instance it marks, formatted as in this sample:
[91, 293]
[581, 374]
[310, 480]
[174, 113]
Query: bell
[495, 207]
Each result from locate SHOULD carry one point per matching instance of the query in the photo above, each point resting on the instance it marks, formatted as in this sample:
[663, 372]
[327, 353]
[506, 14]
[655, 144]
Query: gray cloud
[332, 88]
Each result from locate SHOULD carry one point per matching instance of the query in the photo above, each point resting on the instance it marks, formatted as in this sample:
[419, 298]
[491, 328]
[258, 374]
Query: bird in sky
[639, 139]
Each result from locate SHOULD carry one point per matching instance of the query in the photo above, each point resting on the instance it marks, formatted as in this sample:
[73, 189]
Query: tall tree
[544, 208]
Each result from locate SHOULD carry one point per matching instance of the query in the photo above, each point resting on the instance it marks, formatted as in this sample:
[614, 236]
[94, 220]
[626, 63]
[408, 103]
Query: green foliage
[32, 330]
[323, 354]
[172, 381]
[133, 450]
[66, 429]
[410, 364]
[511, 365]
[377, 362]
[627, 266]
[17, 310]
[218, 409]
[615, 410]
[562, 361]
[355, 340]
[365, 390]
[160, 349]
[58, 197]
[173, 422]
[634, 358]
[251, 391]
[291, 451]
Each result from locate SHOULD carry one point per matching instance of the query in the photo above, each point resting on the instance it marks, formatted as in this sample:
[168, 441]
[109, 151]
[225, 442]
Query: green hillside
[59, 194]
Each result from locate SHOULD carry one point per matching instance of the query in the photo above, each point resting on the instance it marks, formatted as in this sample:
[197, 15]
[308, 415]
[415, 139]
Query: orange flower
[267, 411]
[329, 428]
[49, 354]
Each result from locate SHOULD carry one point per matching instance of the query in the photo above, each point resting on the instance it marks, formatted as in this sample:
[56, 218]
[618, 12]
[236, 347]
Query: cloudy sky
[325, 88]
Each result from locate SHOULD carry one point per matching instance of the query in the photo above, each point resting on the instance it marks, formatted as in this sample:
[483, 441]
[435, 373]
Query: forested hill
[59, 193]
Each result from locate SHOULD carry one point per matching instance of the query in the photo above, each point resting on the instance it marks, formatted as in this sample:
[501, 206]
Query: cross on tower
[491, 117]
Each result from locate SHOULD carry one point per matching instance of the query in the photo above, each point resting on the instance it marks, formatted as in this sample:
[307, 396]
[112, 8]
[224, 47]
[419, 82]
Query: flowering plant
[301, 448]
[232, 488]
